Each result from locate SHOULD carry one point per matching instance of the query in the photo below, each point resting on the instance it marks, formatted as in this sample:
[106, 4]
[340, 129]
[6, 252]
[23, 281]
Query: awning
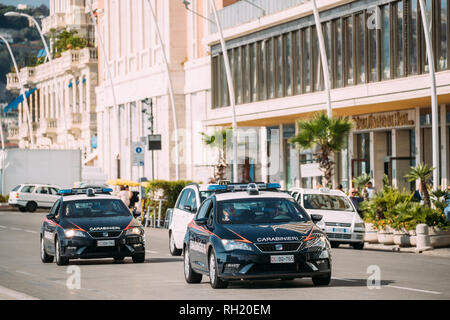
[13, 104]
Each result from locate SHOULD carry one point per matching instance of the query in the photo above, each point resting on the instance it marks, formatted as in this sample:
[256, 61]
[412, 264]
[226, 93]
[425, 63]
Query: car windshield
[326, 202]
[94, 208]
[204, 195]
[260, 211]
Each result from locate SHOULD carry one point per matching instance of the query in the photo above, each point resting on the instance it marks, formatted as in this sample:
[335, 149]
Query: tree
[218, 140]
[328, 135]
[421, 172]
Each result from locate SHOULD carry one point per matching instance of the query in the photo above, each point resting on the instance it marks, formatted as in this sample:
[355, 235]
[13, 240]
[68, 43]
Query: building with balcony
[62, 116]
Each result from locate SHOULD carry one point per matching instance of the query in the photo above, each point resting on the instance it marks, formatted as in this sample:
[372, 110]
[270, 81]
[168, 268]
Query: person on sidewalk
[125, 195]
[355, 198]
[369, 191]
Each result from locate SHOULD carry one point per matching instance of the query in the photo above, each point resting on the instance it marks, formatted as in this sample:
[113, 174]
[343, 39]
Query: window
[279, 59]
[254, 71]
[262, 46]
[317, 75]
[298, 62]
[338, 54]
[27, 189]
[385, 44]
[237, 75]
[182, 199]
[42, 190]
[360, 54]
[425, 66]
[348, 23]
[413, 40]
[326, 202]
[16, 188]
[246, 73]
[215, 82]
[95, 208]
[53, 191]
[372, 54]
[271, 68]
[204, 209]
[398, 36]
[442, 35]
[306, 50]
[223, 83]
[191, 201]
[287, 40]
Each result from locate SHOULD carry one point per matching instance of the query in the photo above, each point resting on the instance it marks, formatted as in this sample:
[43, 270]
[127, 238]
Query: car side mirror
[201, 222]
[136, 214]
[51, 216]
[316, 217]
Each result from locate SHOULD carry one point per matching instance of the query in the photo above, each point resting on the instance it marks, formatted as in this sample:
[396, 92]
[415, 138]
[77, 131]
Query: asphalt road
[23, 275]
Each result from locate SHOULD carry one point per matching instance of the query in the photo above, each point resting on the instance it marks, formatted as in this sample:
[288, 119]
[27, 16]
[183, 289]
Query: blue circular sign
[138, 150]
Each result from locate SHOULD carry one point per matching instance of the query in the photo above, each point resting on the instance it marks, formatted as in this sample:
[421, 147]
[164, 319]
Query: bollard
[423, 239]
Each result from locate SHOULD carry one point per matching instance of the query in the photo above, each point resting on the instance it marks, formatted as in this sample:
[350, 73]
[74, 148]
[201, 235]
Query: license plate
[105, 243]
[282, 259]
[338, 230]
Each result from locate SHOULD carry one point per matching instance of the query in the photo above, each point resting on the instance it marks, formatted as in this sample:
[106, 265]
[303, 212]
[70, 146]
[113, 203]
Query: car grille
[272, 247]
[339, 236]
[279, 267]
[338, 224]
[105, 234]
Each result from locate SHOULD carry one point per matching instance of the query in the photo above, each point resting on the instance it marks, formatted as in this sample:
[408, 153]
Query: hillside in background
[24, 40]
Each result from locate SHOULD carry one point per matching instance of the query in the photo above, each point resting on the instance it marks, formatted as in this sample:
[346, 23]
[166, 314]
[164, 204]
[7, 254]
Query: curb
[437, 252]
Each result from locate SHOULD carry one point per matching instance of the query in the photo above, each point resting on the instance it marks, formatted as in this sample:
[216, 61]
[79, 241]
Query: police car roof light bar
[74, 191]
[233, 187]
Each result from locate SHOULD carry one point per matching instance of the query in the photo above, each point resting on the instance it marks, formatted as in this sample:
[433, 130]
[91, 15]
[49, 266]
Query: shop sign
[384, 120]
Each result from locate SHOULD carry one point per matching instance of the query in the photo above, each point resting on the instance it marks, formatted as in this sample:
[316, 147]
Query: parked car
[29, 197]
[341, 221]
[185, 209]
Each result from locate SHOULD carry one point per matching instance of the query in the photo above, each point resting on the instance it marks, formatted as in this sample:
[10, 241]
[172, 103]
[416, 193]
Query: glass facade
[288, 63]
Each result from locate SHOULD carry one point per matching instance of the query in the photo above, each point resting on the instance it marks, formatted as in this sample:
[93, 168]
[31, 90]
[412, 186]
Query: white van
[340, 221]
[29, 197]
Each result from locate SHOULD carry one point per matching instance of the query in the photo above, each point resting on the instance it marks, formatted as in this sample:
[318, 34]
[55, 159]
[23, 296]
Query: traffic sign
[138, 154]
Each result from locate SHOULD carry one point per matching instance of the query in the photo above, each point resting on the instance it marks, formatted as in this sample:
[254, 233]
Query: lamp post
[111, 83]
[434, 105]
[323, 56]
[22, 91]
[171, 94]
[230, 86]
[50, 59]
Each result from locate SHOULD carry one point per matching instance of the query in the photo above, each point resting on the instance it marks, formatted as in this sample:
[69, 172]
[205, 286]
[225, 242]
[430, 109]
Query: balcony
[12, 82]
[47, 126]
[24, 132]
[13, 134]
[55, 21]
[73, 121]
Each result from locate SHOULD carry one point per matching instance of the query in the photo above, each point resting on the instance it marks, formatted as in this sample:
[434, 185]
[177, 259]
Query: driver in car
[229, 213]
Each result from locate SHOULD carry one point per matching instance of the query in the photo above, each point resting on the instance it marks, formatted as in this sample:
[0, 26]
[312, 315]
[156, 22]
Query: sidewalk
[438, 252]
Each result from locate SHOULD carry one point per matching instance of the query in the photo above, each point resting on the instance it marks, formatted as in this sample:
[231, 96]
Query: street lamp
[108, 69]
[50, 59]
[22, 91]
[323, 56]
[434, 105]
[170, 85]
[230, 86]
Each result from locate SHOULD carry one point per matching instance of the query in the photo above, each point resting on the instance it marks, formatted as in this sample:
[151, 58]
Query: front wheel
[334, 244]
[46, 258]
[172, 248]
[215, 281]
[358, 246]
[322, 280]
[189, 274]
[60, 260]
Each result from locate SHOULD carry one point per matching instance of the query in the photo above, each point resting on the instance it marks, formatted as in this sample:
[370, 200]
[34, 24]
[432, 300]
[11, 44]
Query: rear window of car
[326, 202]
[16, 188]
[27, 189]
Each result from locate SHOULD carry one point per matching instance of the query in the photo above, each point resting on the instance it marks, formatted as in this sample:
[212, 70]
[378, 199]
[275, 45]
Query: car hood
[101, 224]
[268, 233]
[336, 216]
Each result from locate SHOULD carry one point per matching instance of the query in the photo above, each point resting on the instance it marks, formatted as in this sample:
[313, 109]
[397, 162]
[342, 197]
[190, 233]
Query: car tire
[334, 244]
[287, 279]
[358, 246]
[138, 258]
[118, 259]
[189, 274]
[31, 206]
[45, 258]
[22, 209]
[322, 280]
[60, 260]
[172, 248]
[216, 282]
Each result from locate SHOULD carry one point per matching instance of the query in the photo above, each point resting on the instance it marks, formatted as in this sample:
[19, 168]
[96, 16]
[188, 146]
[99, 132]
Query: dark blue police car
[254, 232]
[90, 223]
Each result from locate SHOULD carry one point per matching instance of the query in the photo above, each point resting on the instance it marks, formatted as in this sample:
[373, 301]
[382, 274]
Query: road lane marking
[25, 273]
[14, 295]
[150, 251]
[412, 289]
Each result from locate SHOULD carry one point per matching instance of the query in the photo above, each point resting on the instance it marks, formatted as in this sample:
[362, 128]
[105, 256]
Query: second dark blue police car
[254, 232]
[90, 223]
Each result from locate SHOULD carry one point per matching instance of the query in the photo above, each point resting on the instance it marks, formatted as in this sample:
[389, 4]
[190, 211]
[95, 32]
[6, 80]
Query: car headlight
[134, 231]
[360, 225]
[230, 245]
[318, 240]
[70, 233]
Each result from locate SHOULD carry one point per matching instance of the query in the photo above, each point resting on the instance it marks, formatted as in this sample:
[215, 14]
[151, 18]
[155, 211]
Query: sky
[34, 3]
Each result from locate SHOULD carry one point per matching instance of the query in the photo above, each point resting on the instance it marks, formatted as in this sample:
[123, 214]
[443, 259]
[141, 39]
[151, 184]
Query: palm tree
[328, 135]
[218, 140]
[421, 172]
